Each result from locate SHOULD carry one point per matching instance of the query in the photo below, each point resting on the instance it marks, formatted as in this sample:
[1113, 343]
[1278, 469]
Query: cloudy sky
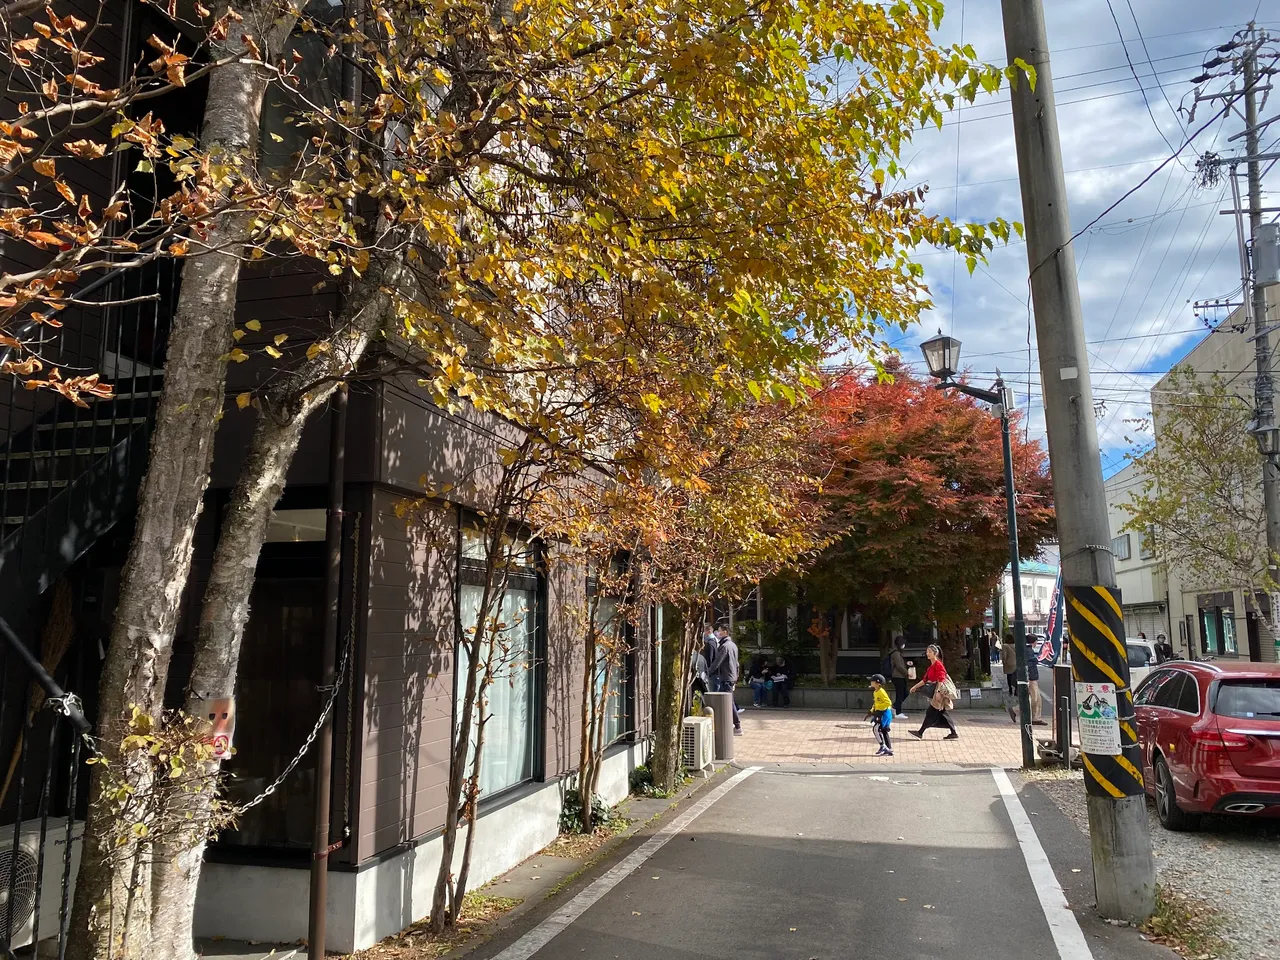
[1146, 262]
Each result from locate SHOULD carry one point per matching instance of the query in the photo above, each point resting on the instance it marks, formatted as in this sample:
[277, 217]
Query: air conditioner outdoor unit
[22, 864]
[697, 743]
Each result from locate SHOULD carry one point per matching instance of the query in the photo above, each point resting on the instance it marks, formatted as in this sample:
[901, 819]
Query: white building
[1141, 575]
[1205, 619]
[1037, 590]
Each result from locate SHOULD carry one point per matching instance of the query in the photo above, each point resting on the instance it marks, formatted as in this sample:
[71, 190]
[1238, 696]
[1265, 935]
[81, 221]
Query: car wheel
[1172, 817]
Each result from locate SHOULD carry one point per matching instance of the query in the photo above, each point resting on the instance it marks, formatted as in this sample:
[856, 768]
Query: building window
[288, 107]
[297, 526]
[1120, 547]
[611, 667]
[1027, 591]
[1218, 632]
[1147, 544]
[510, 652]
[1228, 617]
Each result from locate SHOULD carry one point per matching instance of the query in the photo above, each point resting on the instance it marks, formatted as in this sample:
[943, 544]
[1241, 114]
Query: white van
[1142, 657]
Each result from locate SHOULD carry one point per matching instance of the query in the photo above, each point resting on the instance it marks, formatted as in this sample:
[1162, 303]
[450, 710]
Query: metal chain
[311, 737]
[343, 662]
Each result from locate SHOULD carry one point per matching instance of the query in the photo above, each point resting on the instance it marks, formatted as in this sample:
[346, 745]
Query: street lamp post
[942, 354]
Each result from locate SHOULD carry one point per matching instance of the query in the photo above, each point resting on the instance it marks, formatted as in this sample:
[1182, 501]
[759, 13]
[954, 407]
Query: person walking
[941, 700]
[881, 716]
[1009, 662]
[725, 671]
[1033, 687]
[898, 671]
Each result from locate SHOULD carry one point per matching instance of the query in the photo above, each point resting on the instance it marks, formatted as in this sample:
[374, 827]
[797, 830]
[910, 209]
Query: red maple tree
[917, 506]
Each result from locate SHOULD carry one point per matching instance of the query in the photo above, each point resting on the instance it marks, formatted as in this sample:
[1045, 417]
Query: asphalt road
[882, 863]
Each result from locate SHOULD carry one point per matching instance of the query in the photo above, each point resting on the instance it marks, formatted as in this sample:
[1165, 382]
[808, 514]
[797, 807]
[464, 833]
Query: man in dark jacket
[710, 647]
[725, 671]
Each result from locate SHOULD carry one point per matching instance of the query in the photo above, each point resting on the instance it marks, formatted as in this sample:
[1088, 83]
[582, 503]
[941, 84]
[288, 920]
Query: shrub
[571, 812]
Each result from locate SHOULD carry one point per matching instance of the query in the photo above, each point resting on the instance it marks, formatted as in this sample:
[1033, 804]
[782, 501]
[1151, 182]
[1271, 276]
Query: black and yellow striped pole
[1100, 668]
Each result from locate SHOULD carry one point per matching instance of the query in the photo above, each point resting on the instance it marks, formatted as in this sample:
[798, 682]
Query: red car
[1210, 738]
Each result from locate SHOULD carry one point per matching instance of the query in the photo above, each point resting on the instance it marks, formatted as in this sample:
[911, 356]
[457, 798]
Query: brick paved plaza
[781, 735]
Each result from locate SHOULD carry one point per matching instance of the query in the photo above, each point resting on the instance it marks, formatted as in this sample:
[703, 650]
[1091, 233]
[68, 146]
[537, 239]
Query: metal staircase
[69, 474]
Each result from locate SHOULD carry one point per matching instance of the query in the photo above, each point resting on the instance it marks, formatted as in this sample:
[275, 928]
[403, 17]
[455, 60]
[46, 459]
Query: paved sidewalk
[781, 735]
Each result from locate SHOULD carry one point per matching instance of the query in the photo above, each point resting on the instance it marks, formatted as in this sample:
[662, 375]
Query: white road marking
[1067, 935]
[543, 933]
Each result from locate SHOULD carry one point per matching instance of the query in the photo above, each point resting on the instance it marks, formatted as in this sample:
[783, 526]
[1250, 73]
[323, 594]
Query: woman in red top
[937, 715]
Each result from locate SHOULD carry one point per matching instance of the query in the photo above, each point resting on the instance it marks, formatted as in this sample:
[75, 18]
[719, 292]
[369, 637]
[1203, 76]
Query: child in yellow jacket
[881, 716]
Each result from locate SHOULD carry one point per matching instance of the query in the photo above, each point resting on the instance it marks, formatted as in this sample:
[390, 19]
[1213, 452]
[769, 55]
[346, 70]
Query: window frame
[1121, 547]
[531, 578]
[626, 685]
[1146, 544]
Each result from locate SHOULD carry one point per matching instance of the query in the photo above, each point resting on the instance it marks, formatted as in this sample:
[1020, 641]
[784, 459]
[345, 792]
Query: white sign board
[1098, 718]
[975, 693]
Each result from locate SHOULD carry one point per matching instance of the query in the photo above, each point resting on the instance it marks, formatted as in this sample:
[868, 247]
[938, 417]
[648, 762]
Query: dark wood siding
[566, 609]
[419, 440]
[407, 679]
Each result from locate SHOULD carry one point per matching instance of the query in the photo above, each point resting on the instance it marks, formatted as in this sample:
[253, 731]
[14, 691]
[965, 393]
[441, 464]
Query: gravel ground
[1231, 863]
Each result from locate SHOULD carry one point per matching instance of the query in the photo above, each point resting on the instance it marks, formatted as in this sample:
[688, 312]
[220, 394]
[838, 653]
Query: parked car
[1142, 657]
[1210, 739]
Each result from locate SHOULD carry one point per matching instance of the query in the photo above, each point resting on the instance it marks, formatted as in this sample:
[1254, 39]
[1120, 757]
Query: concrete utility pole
[1242, 55]
[1264, 386]
[1124, 869]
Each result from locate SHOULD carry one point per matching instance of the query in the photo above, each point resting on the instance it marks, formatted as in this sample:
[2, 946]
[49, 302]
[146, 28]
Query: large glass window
[611, 663]
[289, 107]
[509, 654]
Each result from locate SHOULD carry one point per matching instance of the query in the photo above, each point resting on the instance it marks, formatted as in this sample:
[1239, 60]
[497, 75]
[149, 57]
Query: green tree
[1199, 501]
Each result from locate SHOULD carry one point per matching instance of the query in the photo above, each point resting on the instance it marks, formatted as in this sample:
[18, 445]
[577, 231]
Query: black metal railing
[45, 732]
[68, 472]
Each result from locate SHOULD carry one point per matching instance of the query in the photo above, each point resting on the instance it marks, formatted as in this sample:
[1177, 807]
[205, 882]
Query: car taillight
[1220, 741]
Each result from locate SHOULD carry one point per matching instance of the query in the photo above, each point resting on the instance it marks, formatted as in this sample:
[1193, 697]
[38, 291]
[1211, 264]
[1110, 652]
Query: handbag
[911, 671]
[930, 689]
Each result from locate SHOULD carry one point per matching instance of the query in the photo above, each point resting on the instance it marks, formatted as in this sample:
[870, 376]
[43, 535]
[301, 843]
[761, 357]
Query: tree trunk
[459, 892]
[225, 611]
[443, 900]
[828, 644]
[155, 574]
[672, 682]
[586, 755]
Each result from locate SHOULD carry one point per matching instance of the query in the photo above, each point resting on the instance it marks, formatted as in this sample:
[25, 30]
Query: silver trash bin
[721, 705]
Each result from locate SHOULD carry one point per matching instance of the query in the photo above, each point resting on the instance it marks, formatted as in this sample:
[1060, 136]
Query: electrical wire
[1132, 69]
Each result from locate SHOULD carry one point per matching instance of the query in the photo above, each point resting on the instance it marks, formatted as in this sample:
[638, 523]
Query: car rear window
[1246, 699]
[1138, 656]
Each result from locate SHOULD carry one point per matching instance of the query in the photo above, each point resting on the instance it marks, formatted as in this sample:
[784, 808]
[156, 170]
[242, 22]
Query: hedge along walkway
[781, 735]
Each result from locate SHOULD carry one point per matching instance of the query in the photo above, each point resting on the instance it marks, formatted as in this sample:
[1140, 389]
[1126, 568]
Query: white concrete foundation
[269, 904]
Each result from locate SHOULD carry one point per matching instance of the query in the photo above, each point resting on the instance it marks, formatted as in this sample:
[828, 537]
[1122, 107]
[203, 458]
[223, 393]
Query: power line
[1151, 63]
[1129, 60]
